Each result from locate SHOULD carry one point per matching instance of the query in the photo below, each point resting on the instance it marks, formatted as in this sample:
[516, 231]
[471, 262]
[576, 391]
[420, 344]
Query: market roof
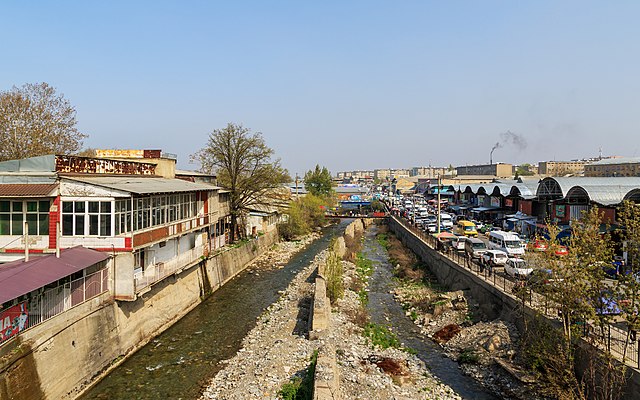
[144, 185]
[21, 277]
[605, 191]
[28, 190]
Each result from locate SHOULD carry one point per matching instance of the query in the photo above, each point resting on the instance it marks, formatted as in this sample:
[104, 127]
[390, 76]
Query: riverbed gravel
[278, 350]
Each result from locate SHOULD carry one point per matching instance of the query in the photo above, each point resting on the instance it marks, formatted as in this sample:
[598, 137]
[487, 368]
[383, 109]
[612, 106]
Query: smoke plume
[514, 139]
[509, 138]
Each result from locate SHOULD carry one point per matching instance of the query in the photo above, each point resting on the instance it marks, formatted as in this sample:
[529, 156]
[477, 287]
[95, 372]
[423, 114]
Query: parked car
[474, 248]
[458, 242]
[517, 267]
[541, 277]
[478, 224]
[433, 228]
[561, 251]
[538, 245]
[494, 258]
[445, 220]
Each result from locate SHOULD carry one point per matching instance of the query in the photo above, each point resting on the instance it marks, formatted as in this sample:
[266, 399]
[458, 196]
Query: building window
[13, 215]
[86, 218]
[159, 210]
[123, 216]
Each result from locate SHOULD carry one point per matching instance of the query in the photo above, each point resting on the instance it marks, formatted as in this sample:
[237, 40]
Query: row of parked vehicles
[501, 249]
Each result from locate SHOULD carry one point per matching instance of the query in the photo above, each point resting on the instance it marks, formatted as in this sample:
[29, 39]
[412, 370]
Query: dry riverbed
[278, 350]
[485, 350]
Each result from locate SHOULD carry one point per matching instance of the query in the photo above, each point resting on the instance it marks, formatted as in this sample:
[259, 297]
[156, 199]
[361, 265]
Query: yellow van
[466, 228]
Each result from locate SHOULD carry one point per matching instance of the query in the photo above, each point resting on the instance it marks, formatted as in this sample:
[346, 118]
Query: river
[385, 310]
[178, 362]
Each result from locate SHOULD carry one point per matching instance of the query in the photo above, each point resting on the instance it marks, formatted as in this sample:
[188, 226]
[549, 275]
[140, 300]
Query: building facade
[153, 224]
[427, 172]
[614, 167]
[560, 168]
[499, 170]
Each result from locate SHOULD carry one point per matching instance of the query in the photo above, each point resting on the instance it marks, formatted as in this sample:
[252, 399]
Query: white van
[508, 242]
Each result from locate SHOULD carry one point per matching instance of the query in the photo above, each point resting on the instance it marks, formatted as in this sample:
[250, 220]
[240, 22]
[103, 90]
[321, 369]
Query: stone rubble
[278, 349]
[482, 346]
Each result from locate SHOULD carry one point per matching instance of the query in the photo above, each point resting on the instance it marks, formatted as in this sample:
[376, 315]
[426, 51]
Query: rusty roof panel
[85, 165]
[27, 190]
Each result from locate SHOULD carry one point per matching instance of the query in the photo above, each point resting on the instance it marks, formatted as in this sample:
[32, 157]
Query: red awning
[20, 277]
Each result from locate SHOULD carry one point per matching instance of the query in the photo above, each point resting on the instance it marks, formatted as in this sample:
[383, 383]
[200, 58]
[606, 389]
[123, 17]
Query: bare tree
[244, 164]
[35, 121]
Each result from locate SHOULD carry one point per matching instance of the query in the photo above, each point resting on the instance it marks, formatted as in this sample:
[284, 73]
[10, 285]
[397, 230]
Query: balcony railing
[160, 270]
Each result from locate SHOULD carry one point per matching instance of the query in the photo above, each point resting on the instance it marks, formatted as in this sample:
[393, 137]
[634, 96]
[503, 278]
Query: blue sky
[345, 84]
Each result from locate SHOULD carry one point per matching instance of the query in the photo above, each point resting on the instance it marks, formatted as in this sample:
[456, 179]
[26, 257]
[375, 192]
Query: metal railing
[59, 299]
[161, 270]
[616, 339]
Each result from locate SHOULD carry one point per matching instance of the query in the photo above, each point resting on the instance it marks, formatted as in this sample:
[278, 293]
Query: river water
[177, 363]
[385, 310]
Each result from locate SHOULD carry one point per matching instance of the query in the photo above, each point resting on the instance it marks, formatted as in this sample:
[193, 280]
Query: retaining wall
[492, 301]
[63, 356]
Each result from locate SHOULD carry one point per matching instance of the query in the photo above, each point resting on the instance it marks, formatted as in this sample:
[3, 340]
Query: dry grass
[358, 316]
[406, 263]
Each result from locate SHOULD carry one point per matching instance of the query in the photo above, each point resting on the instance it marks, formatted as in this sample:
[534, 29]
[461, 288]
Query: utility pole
[297, 177]
[439, 187]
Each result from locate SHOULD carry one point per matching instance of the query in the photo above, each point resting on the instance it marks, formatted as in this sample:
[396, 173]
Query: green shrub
[381, 336]
[468, 356]
[301, 388]
[383, 239]
[334, 271]
[363, 295]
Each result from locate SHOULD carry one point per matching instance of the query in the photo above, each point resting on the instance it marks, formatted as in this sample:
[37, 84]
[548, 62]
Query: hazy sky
[345, 84]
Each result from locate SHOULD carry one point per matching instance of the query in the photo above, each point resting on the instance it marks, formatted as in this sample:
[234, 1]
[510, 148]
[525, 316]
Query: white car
[457, 243]
[517, 267]
[494, 258]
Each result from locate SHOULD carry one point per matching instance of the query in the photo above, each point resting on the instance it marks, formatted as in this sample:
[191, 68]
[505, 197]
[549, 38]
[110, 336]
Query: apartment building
[629, 166]
[561, 168]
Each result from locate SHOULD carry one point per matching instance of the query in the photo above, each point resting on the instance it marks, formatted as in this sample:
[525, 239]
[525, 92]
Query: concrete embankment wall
[61, 357]
[492, 301]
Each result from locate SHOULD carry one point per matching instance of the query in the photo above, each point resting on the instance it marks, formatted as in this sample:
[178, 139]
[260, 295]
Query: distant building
[384, 174]
[427, 172]
[614, 167]
[364, 175]
[500, 170]
[561, 168]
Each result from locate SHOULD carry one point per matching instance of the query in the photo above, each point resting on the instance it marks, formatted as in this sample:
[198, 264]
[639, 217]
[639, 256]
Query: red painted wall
[54, 217]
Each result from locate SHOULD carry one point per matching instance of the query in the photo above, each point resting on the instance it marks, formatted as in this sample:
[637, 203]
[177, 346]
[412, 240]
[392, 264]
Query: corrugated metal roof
[605, 191]
[20, 277]
[193, 173]
[144, 185]
[614, 161]
[32, 164]
[28, 190]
